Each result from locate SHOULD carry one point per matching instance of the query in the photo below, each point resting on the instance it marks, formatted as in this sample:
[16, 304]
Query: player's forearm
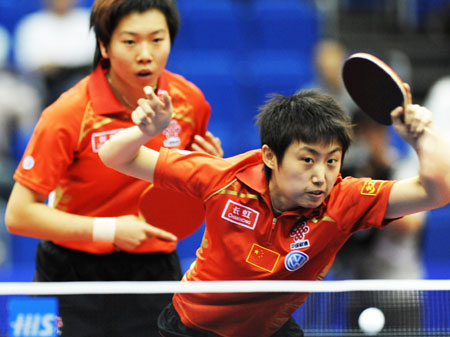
[37, 220]
[434, 169]
[125, 153]
[121, 149]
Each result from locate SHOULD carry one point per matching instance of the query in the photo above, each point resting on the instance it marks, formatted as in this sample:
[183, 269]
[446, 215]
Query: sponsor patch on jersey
[263, 258]
[295, 260]
[372, 187]
[240, 214]
[99, 138]
[300, 244]
[172, 134]
[298, 233]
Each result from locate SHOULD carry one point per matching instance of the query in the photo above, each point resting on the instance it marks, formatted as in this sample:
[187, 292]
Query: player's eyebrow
[315, 152]
[162, 30]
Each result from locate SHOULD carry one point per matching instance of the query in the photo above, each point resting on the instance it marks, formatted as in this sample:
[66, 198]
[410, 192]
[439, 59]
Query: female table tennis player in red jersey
[90, 231]
[278, 213]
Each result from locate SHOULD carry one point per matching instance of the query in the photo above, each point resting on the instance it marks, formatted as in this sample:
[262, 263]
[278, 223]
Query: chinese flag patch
[372, 187]
[263, 258]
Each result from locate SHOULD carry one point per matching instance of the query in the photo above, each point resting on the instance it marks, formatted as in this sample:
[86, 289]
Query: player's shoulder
[71, 103]
[355, 188]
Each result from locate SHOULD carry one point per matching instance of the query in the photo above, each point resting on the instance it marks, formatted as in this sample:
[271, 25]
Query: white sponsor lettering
[240, 214]
[30, 325]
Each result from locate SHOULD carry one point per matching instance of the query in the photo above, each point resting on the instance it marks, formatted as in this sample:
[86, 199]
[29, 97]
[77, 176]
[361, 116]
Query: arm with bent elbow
[125, 152]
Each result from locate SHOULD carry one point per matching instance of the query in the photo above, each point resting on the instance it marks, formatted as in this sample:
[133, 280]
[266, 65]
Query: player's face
[138, 51]
[306, 175]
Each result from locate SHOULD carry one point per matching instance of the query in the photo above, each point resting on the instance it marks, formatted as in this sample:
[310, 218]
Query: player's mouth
[316, 194]
[144, 74]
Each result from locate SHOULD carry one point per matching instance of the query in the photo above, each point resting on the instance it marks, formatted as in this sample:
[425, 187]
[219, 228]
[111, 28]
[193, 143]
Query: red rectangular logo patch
[99, 138]
[240, 214]
[372, 187]
[263, 258]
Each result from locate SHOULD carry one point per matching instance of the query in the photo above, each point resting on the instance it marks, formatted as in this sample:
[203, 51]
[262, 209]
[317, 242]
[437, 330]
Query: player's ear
[269, 157]
[103, 50]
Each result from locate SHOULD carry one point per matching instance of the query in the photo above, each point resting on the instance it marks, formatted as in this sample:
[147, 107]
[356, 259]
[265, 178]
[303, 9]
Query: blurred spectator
[4, 45]
[438, 100]
[329, 56]
[20, 105]
[364, 156]
[19, 109]
[55, 44]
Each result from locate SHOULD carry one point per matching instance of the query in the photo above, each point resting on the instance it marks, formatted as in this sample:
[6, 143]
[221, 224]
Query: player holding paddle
[92, 230]
[278, 213]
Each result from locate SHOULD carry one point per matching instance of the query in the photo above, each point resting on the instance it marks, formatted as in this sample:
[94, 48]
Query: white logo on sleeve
[28, 163]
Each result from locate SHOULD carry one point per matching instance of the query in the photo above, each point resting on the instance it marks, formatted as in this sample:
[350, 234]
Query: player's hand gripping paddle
[172, 211]
[373, 86]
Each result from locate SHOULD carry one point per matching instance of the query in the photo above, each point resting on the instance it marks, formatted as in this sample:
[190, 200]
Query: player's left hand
[209, 144]
[153, 114]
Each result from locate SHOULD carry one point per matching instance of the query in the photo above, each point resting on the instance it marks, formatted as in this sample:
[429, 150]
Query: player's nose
[145, 53]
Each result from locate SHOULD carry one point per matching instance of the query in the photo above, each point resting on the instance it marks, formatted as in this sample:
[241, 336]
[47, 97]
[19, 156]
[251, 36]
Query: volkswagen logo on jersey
[295, 260]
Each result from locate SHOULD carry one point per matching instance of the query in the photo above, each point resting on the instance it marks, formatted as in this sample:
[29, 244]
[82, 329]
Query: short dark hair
[106, 15]
[307, 116]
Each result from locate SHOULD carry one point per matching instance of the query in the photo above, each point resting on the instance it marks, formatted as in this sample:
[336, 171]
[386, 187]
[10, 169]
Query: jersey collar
[102, 98]
[253, 174]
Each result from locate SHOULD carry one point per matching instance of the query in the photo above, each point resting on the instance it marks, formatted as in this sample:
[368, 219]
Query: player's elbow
[437, 186]
[107, 157]
[13, 220]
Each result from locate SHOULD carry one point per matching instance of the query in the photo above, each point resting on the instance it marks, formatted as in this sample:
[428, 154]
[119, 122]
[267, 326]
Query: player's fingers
[204, 144]
[146, 107]
[148, 91]
[160, 233]
[215, 141]
[153, 100]
[207, 145]
[196, 147]
[167, 100]
[397, 116]
[139, 116]
[408, 98]
[422, 119]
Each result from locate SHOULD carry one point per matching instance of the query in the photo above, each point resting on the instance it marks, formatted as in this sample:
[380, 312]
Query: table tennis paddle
[172, 211]
[373, 86]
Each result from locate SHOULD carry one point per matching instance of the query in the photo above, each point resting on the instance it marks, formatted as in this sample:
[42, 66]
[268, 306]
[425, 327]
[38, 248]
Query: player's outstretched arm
[125, 152]
[431, 188]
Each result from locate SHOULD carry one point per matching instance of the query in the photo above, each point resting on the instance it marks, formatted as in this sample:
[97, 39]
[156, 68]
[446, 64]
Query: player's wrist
[104, 229]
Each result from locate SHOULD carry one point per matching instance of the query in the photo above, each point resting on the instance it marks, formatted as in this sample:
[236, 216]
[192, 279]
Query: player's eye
[332, 161]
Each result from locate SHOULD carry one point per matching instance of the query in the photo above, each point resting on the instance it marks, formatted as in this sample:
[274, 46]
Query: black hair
[106, 15]
[307, 116]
